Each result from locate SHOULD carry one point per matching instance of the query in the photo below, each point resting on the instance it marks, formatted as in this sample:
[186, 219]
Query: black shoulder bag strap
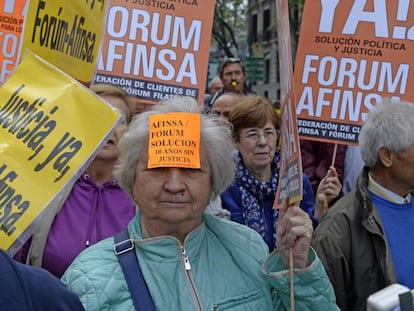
[124, 249]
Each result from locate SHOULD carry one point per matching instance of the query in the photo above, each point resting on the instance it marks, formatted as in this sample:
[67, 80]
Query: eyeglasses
[255, 135]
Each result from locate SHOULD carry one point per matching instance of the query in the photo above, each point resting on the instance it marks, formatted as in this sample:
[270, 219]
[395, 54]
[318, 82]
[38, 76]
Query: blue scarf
[253, 192]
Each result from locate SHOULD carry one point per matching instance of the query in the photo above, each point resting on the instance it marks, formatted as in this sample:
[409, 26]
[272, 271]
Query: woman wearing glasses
[250, 197]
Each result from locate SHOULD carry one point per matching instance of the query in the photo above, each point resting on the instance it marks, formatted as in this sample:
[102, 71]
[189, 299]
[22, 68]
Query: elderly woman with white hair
[173, 162]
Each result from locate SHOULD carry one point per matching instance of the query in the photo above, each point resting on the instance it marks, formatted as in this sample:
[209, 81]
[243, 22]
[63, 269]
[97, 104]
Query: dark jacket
[30, 288]
[350, 242]
[231, 201]
[317, 158]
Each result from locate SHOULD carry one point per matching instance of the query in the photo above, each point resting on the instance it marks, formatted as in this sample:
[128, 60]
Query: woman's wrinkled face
[257, 146]
[173, 196]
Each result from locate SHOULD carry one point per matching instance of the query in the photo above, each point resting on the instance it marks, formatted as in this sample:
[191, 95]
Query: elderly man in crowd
[233, 76]
[365, 239]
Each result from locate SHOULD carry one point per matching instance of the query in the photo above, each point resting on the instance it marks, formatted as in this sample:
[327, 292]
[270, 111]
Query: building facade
[262, 41]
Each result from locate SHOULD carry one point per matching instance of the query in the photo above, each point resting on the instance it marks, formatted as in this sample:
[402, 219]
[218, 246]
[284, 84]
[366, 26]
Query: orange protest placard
[350, 55]
[174, 140]
[11, 26]
[157, 49]
[290, 174]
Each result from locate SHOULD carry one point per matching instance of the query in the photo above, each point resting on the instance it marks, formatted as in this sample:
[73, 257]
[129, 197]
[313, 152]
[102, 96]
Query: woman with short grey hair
[191, 260]
[216, 137]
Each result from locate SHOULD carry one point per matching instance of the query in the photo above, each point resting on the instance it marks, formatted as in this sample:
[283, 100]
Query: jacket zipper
[94, 218]
[187, 266]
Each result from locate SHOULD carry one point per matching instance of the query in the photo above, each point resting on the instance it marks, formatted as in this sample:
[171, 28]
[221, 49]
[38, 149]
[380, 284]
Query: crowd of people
[209, 237]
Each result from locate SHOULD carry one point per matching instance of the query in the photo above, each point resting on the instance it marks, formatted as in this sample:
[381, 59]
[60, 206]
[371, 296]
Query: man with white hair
[365, 239]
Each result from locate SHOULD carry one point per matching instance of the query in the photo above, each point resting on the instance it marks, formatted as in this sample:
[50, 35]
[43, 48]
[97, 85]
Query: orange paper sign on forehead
[174, 140]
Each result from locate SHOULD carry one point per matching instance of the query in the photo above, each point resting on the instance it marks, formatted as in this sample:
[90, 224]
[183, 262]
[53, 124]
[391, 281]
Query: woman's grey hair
[390, 125]
[214, 135]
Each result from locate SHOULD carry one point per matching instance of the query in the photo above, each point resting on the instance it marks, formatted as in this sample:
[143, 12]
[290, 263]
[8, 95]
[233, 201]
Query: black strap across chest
[124, 249]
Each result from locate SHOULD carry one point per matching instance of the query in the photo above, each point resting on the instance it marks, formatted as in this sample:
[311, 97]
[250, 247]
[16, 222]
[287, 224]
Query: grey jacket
[351, 243]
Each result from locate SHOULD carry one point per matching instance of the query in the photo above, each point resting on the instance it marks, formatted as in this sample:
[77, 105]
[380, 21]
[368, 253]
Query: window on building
[277, 69]
[266, 25]
[267, 71]
[253, 29]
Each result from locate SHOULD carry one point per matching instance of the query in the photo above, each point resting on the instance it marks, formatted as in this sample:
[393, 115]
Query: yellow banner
[174, 140]
[48, 133]
[66, 33]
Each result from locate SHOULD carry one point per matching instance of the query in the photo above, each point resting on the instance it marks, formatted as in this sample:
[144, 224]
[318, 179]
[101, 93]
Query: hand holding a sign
[294, 230]
[329, 188]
